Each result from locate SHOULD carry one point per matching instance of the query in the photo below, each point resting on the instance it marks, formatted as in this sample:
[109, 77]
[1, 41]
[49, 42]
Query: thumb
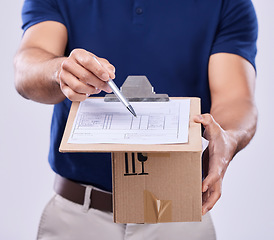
[210, 125]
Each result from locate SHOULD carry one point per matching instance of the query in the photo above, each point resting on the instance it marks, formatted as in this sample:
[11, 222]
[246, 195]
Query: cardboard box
[152, 183]
[160, 186]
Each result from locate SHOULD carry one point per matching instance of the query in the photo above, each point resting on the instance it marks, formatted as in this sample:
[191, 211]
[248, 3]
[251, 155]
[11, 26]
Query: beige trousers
[65, 220]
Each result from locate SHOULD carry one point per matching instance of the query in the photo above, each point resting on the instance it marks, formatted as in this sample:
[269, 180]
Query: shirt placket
[138, 12]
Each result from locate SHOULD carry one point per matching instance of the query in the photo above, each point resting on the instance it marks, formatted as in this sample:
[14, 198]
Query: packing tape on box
[156, 210]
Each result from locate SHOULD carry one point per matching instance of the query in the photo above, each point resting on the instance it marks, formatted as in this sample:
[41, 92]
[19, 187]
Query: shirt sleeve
[238, 30]
[36, 11]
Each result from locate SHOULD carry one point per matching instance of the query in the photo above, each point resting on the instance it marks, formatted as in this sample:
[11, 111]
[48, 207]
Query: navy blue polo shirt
[168, 41]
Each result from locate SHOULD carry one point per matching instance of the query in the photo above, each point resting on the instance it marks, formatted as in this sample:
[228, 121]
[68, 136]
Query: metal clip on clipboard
[138, 89]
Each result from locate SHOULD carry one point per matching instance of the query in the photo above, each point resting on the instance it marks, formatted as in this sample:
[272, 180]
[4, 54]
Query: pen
[118, 94]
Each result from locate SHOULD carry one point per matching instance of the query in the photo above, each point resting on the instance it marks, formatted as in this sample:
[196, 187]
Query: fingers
[86, 60]
[217, 157]
[209, 181]
[74, 89]
[80, 75]
[211, 185]
[72, 95]
[83, 75]
[211, 196]
[109, 67]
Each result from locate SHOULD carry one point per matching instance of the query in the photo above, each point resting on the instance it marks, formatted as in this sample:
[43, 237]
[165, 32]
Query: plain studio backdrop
[246, 208]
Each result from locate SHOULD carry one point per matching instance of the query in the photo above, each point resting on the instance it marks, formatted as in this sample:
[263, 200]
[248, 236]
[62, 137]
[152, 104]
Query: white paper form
[110, 122]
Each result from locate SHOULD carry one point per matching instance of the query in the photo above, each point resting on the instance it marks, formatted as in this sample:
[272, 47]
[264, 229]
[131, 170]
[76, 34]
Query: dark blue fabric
[168, 41]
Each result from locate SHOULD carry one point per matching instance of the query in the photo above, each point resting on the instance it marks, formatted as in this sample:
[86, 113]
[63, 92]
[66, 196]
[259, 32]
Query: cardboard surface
[174, 177]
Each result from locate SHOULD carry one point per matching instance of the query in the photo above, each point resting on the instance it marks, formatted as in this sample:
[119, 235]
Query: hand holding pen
[82, 75]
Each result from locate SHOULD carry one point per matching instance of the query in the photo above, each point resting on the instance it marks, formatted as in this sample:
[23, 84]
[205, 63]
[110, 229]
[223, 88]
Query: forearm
[232, 121]
[36, 75]
[238, 118]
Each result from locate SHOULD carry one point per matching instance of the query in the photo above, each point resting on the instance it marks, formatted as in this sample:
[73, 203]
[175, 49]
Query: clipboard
[131, 90]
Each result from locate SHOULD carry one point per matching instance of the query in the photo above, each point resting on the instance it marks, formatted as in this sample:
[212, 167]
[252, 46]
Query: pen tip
[130, 108]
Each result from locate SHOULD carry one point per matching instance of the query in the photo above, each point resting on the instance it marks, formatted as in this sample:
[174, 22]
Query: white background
[246, 208]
